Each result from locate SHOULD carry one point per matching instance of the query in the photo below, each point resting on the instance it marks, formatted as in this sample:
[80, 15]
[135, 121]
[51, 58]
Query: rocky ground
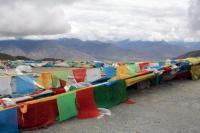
[172, 107]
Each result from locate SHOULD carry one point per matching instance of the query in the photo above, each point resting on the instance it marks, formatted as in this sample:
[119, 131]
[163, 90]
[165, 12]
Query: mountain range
[76, 49]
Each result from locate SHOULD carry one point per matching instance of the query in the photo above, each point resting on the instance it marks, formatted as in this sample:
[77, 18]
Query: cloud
[21, 18]
[99, 19]
[194, 17]
[138, 19]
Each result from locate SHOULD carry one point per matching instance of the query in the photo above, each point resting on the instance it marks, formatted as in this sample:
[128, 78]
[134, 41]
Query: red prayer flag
[62, 83]
[59, 90]
[143, 65]
[167, 69]
[86, 104]
[79, 74]
[38, 115]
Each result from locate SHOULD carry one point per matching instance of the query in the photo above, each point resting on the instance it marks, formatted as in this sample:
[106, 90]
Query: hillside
[75, 49]
[191, 54]
[10, 57]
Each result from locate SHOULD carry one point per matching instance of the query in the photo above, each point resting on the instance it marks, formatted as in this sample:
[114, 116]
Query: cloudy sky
[100, 19]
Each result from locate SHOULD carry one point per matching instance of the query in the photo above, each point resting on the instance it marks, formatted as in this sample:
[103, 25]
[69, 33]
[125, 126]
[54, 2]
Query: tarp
[195, 72]
[66, 106]
[5, 87]
[86, 104]
[108, 95]
[37, 115]
[79, 74]
[25, 84]
[8, 121]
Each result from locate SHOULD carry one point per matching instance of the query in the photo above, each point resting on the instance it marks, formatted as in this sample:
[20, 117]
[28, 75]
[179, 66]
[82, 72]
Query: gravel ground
[173, 107]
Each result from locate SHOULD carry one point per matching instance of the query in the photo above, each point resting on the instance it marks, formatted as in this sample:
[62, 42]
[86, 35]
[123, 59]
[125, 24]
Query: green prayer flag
[109, 95]
[72, 88]
[118, 92]
[66, 106]
[55, 82]
[64, 75]
[133, 68]
[57, 76]
[102, 96]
